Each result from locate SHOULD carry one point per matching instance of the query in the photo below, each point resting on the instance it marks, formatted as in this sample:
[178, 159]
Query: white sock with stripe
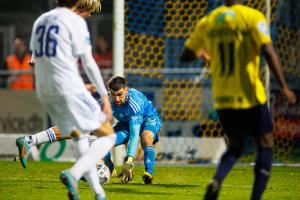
[41, 137]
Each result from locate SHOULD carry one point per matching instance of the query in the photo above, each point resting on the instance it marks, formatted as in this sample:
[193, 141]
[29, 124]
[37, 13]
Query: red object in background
[104, 60]
[103, 53]
[286, 118]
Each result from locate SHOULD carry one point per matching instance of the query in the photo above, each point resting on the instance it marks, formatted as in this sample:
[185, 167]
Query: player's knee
[147, 138]
[75, 133]
[266, 141]
[105, 129]
[146, 142]
[236, 151]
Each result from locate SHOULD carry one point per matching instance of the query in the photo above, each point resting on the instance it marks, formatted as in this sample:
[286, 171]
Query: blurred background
[155, 31]
[17, 17]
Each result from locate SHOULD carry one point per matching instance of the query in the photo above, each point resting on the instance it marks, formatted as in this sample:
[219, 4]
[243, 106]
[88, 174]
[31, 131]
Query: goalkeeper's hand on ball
[127, 170]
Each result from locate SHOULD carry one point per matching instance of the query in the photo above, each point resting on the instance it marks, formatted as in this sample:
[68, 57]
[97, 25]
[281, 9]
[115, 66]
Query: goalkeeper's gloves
[127, 170]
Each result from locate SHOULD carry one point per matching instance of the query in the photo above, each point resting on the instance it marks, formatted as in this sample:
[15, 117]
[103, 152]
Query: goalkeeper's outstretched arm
[127, 169]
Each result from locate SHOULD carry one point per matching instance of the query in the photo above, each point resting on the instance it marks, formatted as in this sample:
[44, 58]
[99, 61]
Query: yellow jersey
[233, 37]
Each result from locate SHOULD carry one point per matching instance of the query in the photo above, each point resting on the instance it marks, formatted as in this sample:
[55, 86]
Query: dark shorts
[255, 121]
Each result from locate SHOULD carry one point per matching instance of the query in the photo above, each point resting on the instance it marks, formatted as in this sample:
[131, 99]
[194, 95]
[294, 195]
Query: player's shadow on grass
[139, 192]
[132, 191]
[162, 185]
[171, 185]
[177, 186]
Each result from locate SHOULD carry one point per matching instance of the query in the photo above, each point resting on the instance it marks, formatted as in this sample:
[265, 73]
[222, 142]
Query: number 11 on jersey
[226, 61]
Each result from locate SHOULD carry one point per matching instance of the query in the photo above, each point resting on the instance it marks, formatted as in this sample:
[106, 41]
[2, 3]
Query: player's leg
[228, 159]
[25, 143]
[263, 165]
[86, 164]
[77, 114]
[50, 135]
[230, 122]
[149, 137]
[60, 113]
[122, 137]
[81, 145]
[264, 141]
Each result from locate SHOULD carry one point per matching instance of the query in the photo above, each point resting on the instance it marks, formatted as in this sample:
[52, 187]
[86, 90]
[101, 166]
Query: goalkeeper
[136, 117]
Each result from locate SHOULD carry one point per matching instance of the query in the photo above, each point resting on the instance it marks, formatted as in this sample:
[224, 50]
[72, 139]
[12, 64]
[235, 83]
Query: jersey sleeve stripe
[136, 104]
[133, 106]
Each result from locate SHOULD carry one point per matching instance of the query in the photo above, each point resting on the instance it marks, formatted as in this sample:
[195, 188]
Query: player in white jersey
[59, 38]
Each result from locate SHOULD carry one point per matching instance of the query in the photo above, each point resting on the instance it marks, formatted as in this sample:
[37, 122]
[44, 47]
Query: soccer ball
[103, 173]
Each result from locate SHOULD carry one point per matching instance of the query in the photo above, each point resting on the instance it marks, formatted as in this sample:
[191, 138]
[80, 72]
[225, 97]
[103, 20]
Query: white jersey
[58, 38]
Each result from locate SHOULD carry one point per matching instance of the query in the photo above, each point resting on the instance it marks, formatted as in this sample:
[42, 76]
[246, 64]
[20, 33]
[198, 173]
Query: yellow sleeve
[260, 29]
[195, 42]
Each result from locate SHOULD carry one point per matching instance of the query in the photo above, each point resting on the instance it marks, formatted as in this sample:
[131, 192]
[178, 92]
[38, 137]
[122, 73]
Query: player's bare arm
[106, 108]
[91, 88]
[274, 64]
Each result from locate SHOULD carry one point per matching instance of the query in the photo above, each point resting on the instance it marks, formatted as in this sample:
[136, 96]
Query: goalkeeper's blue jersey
[136, 109]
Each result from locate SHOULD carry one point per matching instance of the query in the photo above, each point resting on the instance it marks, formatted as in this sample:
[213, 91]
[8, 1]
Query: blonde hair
[89, 5]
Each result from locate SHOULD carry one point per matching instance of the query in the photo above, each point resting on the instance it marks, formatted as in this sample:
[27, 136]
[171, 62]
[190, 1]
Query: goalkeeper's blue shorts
[254, 121]
[151, 124]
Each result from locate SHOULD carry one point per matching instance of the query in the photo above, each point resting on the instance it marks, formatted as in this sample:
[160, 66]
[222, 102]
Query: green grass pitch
[40, 181]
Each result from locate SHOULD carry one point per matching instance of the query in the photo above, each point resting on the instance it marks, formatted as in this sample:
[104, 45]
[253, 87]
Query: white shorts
[74, 111]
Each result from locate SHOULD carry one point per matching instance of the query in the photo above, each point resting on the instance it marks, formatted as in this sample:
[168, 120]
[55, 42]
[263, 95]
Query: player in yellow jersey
[234, 35]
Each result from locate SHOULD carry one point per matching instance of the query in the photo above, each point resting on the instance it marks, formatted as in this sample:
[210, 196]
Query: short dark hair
[115, 83]
[67, 3]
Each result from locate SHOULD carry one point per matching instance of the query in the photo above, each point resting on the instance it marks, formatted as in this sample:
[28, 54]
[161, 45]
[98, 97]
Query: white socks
[93, 179]
[90, 156]
[80, 145]
[96, 152]
[41, 137]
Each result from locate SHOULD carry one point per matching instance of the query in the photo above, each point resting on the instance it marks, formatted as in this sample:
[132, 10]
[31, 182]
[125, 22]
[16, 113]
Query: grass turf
[40, 181]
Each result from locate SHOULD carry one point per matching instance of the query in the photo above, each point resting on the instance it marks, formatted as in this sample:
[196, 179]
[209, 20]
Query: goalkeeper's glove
[127, 170]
